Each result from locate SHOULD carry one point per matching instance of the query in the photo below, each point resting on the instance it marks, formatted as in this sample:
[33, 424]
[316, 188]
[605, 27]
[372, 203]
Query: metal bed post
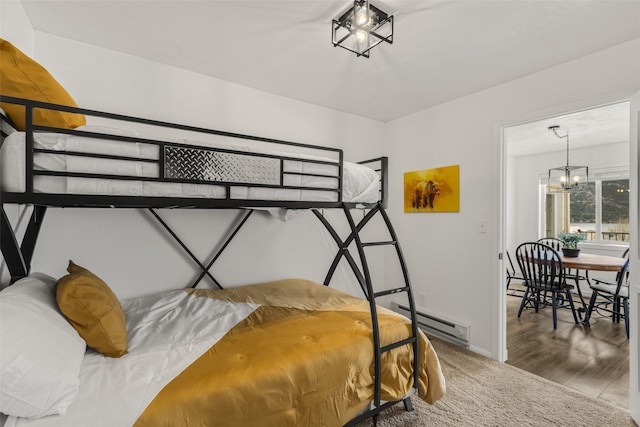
[11, 249]
[364, 278]
[412, 307]
[18, 257]
[374, 310]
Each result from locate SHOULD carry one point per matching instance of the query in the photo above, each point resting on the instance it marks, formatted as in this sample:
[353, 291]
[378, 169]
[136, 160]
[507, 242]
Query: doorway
[592, 360]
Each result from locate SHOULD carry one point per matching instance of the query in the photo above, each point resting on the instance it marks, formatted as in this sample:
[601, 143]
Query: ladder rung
[389, 242]
[390, 291]
[398, 344]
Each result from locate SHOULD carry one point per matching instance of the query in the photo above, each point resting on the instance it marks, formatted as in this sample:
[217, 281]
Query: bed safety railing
[219, 161]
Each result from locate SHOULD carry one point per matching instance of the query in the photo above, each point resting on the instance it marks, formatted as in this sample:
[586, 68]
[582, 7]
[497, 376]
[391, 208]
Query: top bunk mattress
[89, 162]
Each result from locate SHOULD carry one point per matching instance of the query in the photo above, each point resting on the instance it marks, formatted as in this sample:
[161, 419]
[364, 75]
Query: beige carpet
[483, 392]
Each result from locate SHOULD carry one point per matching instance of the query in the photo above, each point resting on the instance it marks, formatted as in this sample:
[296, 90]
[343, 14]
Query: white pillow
[40, 352]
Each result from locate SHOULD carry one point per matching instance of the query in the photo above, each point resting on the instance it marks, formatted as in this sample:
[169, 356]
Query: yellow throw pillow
[93, 310]
[22, 77]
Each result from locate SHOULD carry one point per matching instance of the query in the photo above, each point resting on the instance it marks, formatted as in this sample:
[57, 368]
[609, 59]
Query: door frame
[501, 151]
[634, 257]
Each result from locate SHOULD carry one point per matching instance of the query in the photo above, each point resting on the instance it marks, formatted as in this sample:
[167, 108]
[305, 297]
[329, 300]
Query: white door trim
[634, 256]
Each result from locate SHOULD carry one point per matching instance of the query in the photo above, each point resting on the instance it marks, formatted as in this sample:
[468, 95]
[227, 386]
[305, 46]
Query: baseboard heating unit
[441, 328]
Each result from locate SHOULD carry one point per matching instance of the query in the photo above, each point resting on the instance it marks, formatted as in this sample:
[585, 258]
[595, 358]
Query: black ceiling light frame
[567, 179]
[361, 28]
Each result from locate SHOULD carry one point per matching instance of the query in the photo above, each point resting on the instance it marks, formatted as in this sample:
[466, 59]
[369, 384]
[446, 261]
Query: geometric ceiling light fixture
[565, 179]
[361, 28]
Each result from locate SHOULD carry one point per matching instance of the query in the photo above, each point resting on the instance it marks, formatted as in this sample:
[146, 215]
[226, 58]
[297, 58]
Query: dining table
[591, 262]
[595, 262]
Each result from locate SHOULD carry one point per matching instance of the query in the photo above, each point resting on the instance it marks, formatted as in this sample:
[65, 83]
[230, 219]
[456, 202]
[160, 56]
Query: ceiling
[442, 49]
[597, 126]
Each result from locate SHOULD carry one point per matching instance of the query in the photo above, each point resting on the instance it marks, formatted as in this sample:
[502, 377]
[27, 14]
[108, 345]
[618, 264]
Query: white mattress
[360, 183]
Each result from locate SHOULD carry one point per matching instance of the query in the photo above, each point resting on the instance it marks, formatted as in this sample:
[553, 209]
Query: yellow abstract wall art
[432, 190]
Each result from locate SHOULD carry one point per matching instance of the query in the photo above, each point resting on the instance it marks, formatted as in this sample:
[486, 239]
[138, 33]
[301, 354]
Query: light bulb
[361, 36]
[361, 18]
[563, 178]
[576, 178]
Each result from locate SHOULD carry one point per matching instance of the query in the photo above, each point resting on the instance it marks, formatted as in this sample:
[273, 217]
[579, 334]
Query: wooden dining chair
[569, 274]
[544, 275]
[608, 297]
[513, 274]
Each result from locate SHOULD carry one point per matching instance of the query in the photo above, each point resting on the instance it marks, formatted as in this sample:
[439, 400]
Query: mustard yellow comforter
[304, 357]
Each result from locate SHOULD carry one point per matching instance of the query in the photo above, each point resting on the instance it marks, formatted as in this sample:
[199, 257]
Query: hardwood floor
[594, 361]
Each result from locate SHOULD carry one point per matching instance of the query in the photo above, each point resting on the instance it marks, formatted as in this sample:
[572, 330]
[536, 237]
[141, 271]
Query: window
[615, 210]
[582, 211]
[601, 212]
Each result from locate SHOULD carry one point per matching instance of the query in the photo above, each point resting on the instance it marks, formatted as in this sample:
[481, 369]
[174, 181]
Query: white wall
[449, 260]
[15, 25]
[106, 80]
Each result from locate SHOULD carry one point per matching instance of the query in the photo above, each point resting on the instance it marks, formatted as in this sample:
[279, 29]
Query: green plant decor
[571, 240]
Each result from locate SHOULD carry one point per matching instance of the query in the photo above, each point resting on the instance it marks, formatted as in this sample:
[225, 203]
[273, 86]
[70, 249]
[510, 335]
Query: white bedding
[360, 183]
[283, 353]
[167, 332]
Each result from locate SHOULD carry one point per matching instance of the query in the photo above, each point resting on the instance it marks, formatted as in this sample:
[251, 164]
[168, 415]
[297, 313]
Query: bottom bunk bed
[284, 353]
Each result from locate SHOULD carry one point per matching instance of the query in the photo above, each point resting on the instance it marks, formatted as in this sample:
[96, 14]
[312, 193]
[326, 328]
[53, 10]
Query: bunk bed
[363, 358]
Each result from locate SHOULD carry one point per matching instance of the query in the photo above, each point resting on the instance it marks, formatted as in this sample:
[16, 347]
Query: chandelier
[361, 28]
[565, 179]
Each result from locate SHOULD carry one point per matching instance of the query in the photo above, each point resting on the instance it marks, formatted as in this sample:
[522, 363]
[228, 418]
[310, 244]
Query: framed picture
[432, 190]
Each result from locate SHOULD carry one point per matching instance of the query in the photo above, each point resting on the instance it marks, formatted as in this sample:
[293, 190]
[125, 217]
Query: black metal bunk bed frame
[18, 256]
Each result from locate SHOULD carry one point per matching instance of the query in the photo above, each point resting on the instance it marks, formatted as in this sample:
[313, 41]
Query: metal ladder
[365, 281]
